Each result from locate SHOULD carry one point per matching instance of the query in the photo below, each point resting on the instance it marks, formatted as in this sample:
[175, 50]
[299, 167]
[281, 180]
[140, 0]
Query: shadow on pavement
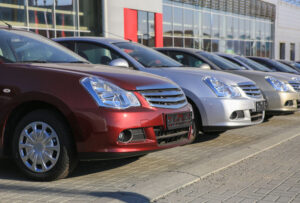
[88, 167]
[9, 171]
[206, 137]
[122, 196]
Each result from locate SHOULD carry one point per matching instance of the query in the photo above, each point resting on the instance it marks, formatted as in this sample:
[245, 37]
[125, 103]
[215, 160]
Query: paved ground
[271, 176]
[161, 174]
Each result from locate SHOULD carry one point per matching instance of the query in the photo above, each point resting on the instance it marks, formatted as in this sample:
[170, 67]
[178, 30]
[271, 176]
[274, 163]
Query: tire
[50, 144]
[196, 126]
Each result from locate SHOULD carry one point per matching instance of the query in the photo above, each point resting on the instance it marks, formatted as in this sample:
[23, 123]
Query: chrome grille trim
[172, 98]
[295, 85]
[250, 89]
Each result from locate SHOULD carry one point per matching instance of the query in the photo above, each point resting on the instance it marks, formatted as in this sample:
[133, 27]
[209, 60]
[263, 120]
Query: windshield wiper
[33, 61]
[77, 62]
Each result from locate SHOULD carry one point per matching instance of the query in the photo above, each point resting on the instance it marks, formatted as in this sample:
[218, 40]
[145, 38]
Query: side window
[186, 59]
[95, 53]
[69, 45]
[233, 61]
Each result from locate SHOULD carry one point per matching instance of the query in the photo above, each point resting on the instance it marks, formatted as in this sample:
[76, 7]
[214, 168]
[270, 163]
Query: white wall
[114, 13]
[287, 27]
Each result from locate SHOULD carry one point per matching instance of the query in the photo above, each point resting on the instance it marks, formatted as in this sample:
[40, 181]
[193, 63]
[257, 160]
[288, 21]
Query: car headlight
[109, 95]
[220, 88]
[277, 84]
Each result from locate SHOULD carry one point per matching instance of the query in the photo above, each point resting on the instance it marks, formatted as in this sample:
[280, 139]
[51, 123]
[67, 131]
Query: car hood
[192, 74]
[257, 75]
[122, 77]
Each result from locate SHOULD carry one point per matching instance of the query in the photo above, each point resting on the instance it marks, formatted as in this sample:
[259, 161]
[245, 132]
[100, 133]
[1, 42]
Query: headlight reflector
[277, 84]
[220, 88]
[109, 95]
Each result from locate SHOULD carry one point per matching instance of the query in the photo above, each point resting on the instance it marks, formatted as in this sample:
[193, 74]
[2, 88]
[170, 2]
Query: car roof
[91, 39]
[191, 50]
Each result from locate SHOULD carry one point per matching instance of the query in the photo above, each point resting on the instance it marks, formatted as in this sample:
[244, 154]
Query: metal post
[54, 18]
[26, 23]
[104, 18]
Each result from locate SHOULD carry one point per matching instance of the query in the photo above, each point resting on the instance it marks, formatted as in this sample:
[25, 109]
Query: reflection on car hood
[124, 78]
[253, 75]
[194, 74]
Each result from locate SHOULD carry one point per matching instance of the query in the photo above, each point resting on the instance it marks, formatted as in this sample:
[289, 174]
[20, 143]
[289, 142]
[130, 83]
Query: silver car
[220, 100]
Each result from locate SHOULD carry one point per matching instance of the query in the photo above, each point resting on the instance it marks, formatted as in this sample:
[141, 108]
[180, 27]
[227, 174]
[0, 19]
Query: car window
[253, 64]
[96, 53]
[69, 45]
[186, 59]
[22, 46]
[146, 56]
[220, 62]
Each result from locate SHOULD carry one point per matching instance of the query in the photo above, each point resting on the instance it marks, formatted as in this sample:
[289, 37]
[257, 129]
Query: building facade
[244, 27]
[287, 29]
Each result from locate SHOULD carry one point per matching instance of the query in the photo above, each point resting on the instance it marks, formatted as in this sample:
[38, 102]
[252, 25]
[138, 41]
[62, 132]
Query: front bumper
[218, 113]
[100, 131]
[281, 102]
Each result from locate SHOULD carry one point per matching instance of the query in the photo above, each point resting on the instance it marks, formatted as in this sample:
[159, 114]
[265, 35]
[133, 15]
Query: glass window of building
[178, 21]
[167, 20]
[12, 11]
[215, 25]
[228, 26]
[282, 51]
[206, 45]
[54, 18]
[292, 51]
[146, 34]
[206, 24]
[188, 23]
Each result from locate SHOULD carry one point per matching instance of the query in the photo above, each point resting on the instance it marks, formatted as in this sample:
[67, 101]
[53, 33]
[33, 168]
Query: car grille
[256, 116]
[165, 98]
[298, 104]
[165, 137]
[250, 90]
[295, 85]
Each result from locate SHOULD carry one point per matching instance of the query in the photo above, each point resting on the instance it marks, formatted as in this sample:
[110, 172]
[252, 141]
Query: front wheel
[42, 147]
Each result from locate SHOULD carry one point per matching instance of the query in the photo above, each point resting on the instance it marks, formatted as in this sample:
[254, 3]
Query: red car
[55, 107]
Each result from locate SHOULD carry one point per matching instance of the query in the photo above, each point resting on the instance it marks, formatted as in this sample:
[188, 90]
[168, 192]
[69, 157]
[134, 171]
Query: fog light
[125, 136]
[237, 114]
[289, 103]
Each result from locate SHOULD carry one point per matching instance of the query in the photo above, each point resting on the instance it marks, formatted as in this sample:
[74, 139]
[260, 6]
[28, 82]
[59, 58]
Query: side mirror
[119, 63]
[205, 66]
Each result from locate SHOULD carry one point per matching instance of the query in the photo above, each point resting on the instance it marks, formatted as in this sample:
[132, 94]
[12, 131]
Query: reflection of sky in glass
[50, 2]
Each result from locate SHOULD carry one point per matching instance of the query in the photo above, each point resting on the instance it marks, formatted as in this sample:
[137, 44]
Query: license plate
[179, 120]
[260, 106]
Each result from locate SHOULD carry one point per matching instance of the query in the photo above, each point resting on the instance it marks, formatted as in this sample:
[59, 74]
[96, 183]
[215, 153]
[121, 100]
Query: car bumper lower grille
[256, 116]
[298, 104]
[165, 137]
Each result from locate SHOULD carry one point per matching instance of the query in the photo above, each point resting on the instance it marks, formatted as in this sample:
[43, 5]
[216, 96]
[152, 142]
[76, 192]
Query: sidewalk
[271, 176]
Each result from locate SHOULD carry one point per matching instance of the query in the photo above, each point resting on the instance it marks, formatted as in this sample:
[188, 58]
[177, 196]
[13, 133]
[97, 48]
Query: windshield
[254, 65]
[220, 62]
[282, 67]
[149, 58]
[18, 46]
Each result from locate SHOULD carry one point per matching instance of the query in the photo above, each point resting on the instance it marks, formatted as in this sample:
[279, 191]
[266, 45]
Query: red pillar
[130, 24]
[159, 30]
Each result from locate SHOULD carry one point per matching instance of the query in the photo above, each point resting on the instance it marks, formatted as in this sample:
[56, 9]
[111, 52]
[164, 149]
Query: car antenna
[9, 25]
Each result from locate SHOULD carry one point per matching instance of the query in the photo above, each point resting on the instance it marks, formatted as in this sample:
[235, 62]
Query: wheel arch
[22, 109]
